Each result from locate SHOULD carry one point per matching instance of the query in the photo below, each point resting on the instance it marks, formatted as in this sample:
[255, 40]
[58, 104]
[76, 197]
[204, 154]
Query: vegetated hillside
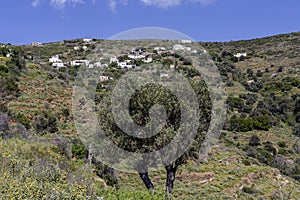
[258, 154]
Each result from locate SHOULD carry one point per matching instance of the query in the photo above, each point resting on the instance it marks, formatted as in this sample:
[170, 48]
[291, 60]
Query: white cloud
[162, 3]
[205, 2]
[35, 3]
[62, 3]
[112, 4]
[171, 3]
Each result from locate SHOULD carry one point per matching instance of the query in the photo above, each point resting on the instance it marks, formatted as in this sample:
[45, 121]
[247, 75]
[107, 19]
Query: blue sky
[25, 21]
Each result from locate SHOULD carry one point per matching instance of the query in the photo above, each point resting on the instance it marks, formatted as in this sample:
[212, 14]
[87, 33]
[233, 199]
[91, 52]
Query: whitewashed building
[136, 56]
[103, 78]
[238, 55]
[159, 48]
[58, 65]
[77, 48]
[148, 60]
[164, 75]
[79, 63]
[87, 40]
[177, 47]
[85, 48]
[114, 59]
[55, 59]
[186, 41]
[36, 44]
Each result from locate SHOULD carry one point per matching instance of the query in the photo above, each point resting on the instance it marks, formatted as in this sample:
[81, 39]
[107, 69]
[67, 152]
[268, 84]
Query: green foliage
[259, 73]
[254, 140]
[23, 120]
[249, 124]
[131, 195]
[30, 170]
[79, 151]
[282, 144]
[261, 122]
[45, 123]
[241, 124]
[9, 86]
[250, 190]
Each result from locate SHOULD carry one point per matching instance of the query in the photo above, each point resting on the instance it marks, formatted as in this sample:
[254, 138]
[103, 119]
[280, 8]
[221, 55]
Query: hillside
[257, 157]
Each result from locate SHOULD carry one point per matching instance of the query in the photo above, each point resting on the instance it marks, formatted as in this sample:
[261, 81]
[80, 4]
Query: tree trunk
[145, 177]
[171, 171]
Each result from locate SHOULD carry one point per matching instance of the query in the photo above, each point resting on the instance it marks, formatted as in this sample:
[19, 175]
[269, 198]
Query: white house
[172, 66]
[85, 48]
[122, 64]
[103, 78]
[8, 55]
[136, 56]
[164, 75]
[139, 50]
[238, 55]
[148, 60]
[91, 66]
[77, 48]
[87, 40]
[159, 48]
[113, 59]
[58, 65]
[129, 66]
[55, 59]
[186, 41]
[36, 44]
[79, 62]
[97, 64]
[177, 47]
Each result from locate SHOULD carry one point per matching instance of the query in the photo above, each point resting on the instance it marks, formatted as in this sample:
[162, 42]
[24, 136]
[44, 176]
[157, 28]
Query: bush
[45, 122]
[4, 121]
[250, 190]
[259, 73]
[282, 144]
[79, 151]
[270, 148]
[23, 120]
[296, 130]
[261, 123]
[241, 124]
[254, 141]
[31, 170]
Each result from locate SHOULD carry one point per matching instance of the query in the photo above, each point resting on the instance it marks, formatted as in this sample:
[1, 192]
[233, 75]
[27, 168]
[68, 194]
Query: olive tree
[140, 109]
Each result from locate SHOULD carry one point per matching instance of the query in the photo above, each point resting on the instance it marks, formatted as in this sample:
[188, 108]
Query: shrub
[270, 148]
[282, 144]
[254, 141]
[261, 123]
[250, 190]
[23, 120]
[46, 122]
[31, 170]
[79, 151]
[296, 130]
[259, 73]
[4, 121]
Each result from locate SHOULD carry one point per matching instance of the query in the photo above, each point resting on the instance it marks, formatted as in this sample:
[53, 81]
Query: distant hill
[258, 155]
